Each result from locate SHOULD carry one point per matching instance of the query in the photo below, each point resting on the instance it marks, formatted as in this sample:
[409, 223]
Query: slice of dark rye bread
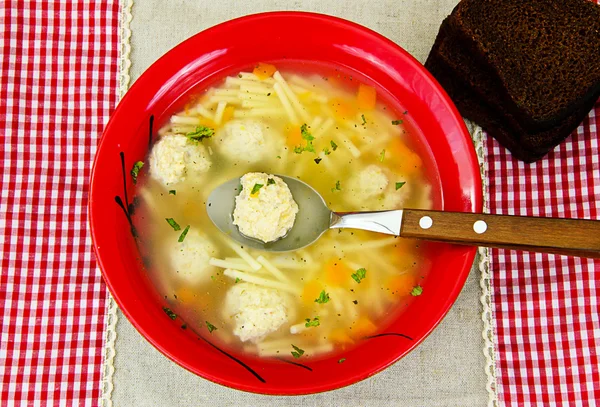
[544, 54]
[525, 146]
[462, 65]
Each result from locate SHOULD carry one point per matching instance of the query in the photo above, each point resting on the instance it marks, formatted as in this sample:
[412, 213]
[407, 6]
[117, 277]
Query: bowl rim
[476, 204]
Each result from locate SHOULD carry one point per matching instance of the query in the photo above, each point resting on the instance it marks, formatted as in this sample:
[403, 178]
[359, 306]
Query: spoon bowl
[312, 220]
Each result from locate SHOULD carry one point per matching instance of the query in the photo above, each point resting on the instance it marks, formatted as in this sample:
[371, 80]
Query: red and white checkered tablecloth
[58, 85]
[545, 307]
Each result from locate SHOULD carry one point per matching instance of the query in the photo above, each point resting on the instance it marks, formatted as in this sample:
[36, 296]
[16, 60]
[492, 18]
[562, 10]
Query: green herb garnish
[200, 133]
[135, 170]
[210, 327]
[326, 151]
[172, 192]
[237, 280]
[308, 137]
[183, 234]
[173, 224]
[256, 188]
[359, 275]
[270, 181]
[318, 160]
[382, 155]
[315, 322]
[342, 360]
[333, 145]
[399, 185]
[323, 298]
[279, 157]
[170, 313]
[397, 122]
[298, 352]
[309, 141]
[362, 116]
[416, 291]
[338, 187]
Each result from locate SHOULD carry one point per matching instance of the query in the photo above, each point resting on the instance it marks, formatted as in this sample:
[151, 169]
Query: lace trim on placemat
[484, 268]
[108, 368]
[125, 18]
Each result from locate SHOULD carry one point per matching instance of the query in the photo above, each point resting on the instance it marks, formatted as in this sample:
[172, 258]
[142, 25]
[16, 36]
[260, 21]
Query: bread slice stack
[526, 71]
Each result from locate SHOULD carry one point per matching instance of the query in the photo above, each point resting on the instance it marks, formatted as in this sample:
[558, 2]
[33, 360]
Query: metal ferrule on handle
[388, 222]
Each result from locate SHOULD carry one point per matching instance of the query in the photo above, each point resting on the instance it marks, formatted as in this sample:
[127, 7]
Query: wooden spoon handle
[572, 237]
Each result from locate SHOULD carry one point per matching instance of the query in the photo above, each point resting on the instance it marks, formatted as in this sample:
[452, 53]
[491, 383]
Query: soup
[331, 132]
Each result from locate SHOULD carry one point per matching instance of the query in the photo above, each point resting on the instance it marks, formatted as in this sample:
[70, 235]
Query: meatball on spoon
[573, 237]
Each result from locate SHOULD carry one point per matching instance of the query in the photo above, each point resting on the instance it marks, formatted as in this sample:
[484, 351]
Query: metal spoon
[573, 237]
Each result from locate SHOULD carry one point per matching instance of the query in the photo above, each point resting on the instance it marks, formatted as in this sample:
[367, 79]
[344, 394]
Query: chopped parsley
[200, 133]
[362, 116]
[416, 291]
[172, 192]
[397, 122]
[323, 298]
[315, 322]
[359, 275]
[237, 280]
[382, 155]
[326, 151]
[173, 224]
[183, 234]
[170, 313]
[400, 185]
[135, 171]
[342, 360]
[270, 181]
[210, 327]
[279, 157]
[333, 145]
[338, 187]
[318, 160]
[256, 188]
[309, 141]
[298, 352]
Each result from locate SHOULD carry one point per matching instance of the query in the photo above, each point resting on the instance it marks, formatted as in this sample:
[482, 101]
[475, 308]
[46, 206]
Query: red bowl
[229, 47]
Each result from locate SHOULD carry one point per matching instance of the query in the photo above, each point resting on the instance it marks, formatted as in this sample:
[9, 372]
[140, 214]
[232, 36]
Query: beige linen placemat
[447, 369]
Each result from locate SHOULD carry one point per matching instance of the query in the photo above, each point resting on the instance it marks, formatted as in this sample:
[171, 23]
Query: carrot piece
[191, 297]
[366, 97]
[264, 71]
[339, 336]
[343, 109]
[337, 273]
[401, 285]
[363, 327]
[228, 114]
[207, 122]
[294, 136]
[186, 296]
[311, 292]
[406, 160]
